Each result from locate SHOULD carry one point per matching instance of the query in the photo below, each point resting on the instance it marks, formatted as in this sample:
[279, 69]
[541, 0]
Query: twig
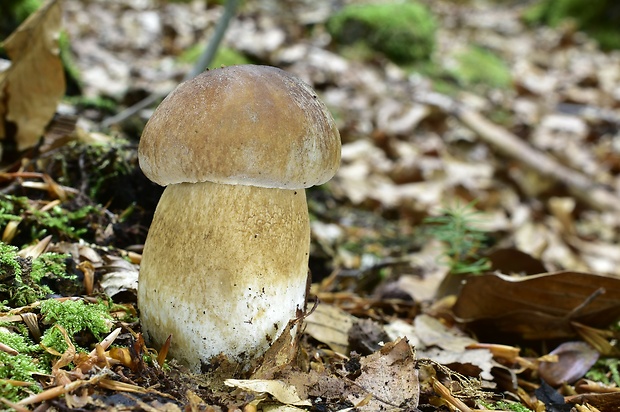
[203, 62]
[581, 186]
[209, 52]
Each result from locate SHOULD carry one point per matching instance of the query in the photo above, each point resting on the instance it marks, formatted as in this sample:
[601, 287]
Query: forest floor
[466, 256]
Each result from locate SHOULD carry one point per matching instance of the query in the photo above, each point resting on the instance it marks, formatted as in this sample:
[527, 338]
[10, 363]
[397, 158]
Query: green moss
[57, 221]
[607, 37]
[478, 66]
[606, 371]
[80, 320]
[225, 56]
[50, 265]
[599, 18]
[554, 12]
[13, 12]
[100, 103]
[404, 32]
[75, 317]
[22, 281]
[18, 367]
[106, 162]
[506, 406]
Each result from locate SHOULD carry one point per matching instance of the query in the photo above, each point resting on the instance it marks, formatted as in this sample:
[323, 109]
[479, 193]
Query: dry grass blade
[14, 406]
[37, 250]
[32, 322]
[107, 341]
[15, 382]
[56, 391]
[163, 352]
[7, 349]
[447, 396]
[121, 386]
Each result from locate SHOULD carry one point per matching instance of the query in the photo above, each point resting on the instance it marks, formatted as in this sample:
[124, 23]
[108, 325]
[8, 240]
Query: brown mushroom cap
[250, 125]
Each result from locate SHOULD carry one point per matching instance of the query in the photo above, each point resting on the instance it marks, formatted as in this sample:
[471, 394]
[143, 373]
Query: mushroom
[225, 262]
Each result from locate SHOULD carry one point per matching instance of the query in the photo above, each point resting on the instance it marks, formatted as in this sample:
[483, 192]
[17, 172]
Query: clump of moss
[506, 406]
[479, 66]
[36, 223]
[81, 322]
[403, 32]
[606, 371]
[18, 367]
[76, 318]
[12, 13]
[599, 18]
[25, 280]
[100, 103]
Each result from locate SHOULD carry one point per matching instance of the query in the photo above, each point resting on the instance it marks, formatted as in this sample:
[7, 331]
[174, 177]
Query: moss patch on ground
[225, 56]
[599, 18]
[403, 32]
[478, 66]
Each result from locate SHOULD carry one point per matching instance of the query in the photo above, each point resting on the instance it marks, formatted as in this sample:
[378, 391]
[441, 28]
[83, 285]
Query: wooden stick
[594, 194]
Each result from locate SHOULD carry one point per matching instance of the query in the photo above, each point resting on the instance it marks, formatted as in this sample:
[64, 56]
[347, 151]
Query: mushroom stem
[241, 252]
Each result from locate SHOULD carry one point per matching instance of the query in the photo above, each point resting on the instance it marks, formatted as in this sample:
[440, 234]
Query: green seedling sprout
[456, 229]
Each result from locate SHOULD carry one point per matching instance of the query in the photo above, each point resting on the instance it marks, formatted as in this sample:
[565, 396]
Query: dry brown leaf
[281, 391]
[330, 325]
[604, 402]
[541, 306]
[390, 376]
[514, 261]
[33, 85]
[574, 360]
[444, 345]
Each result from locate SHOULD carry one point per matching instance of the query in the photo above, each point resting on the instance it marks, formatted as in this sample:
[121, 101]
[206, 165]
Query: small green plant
[403, 31]
[456, 229]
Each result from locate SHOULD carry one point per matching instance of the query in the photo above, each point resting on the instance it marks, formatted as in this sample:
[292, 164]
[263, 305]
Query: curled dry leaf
[541, 306]
[120, 276]
[34, 83]
[602, 402]
[330, 325]
[574, 360]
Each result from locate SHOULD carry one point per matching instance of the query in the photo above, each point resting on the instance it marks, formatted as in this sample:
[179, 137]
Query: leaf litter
[539, 159]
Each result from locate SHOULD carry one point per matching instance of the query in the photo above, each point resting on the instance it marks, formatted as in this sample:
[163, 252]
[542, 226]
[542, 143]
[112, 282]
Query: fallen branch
[596, 195]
